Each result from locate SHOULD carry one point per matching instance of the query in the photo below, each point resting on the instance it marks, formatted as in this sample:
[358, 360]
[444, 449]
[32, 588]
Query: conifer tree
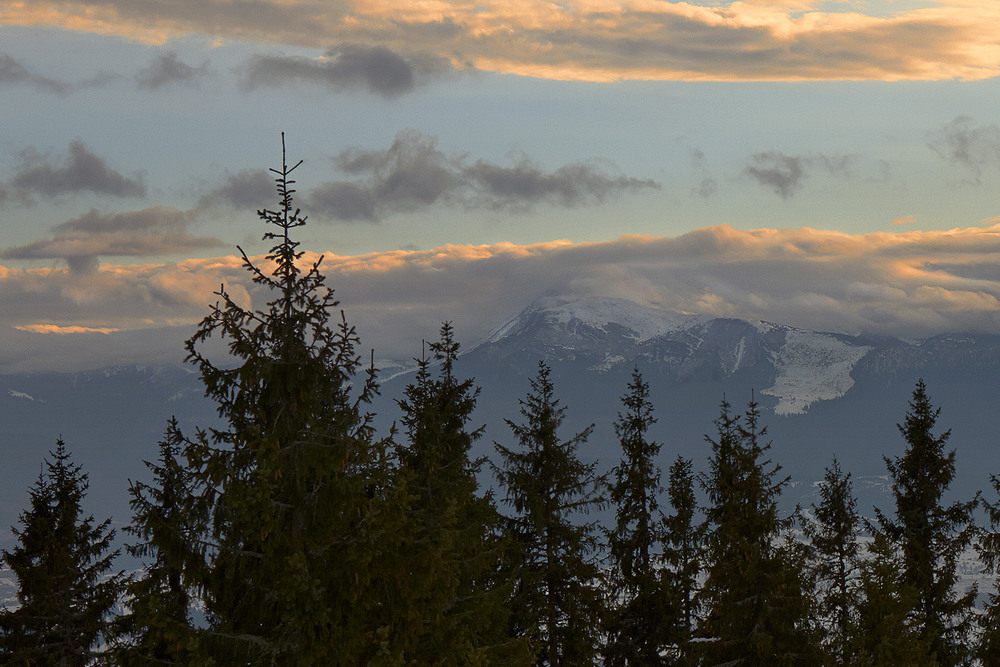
[296, 479]
[931, 536]
[557, 601]
[988, 646]
[884, 633]
[682, 559]
[833, 541]
[63, 564]
[451, 608]
[638, 600]
[168, 524]
[756, 612]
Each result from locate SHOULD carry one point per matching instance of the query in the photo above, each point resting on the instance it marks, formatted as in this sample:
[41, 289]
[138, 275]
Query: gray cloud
[350, 66]
[148, 232]
[413, 174]
[166, 69]
[14, 72]
[251, 188]
[784, 174]
[81, 171]
[967, 143]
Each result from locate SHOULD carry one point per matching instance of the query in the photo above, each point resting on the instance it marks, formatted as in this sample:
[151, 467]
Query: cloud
[964, 142]
[905, 220]
[413, 174]
[14, 72]
[350, 66]
[905, 284]
[148, 232]
[81, 171]
[63, 330]
[166, 69]
[251, 188]
[784, 174]
[604, 40]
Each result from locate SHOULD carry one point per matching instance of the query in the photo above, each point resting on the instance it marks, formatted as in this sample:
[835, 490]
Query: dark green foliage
[637, 598]
[451, 607]
[885, 634]
[833, 541]
[63, 567]
[557, 601]
[988, 649]
[297, 481]
[169, 524]
[682, 557]
[756, 611]
[930, 536]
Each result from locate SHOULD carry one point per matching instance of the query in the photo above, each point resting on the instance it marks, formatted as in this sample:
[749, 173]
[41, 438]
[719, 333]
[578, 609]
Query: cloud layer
[784, 174]
[350, 66]
[413, 174]
[153, 231]
[80, 171]
[906, 284]
[596, 41]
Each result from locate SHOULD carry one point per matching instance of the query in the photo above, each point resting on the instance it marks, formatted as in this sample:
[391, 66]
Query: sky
[831, 165]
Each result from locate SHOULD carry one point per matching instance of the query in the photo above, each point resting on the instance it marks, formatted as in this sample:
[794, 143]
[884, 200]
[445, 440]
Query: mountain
[822, 394]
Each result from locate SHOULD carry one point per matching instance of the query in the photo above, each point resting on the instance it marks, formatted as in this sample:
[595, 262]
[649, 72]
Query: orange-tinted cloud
[64, 329]
[905, 284]
[593, 40]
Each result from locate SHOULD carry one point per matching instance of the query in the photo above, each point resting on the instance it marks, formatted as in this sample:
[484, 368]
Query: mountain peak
[628, 318]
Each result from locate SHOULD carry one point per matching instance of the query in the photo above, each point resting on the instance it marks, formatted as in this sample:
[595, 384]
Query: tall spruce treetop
[295, 476]
[682, 556]
[557, 602]
[449, 609]
[833, 539]
[754, 605]
[167, 525]
[62, 563]
[930, 535]
[635, 544]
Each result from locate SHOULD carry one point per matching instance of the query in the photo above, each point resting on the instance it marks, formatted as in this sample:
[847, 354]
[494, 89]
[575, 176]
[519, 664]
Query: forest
[295, 534]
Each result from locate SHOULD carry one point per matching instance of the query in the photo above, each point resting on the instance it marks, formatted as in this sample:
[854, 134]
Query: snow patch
[812, 367]
[643, 322]
[609, 362]
[22, 395]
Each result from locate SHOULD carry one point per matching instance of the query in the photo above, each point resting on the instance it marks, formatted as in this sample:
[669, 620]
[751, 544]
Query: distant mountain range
[823, 394]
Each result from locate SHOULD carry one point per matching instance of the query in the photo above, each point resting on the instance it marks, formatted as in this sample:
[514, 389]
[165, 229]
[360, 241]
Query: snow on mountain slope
[812, 367]
[608, 332]
[641, 322]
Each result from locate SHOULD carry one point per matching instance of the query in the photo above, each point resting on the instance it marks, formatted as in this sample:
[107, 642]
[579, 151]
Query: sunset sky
[831, 165]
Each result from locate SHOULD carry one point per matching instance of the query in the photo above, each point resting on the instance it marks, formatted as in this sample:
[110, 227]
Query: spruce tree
[988, 646]
[884, 633]
[637, 601]
[557, 601]
[63, 564]
[168, 524]
[833, 539]
[756, 610]
[682, 557]
[297, 482]
[930, 535]
[451, 607]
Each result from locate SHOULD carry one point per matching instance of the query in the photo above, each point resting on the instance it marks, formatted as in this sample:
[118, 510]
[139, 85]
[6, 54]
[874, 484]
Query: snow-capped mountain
[821, 393]
[607, 333]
